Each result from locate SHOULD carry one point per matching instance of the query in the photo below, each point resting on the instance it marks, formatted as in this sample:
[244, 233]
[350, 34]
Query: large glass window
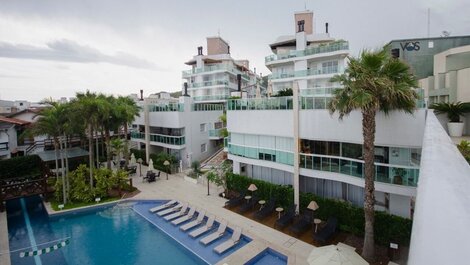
[351, 150]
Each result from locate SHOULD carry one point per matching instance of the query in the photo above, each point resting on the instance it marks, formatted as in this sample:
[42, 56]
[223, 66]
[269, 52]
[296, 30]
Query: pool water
[268, 257]
[123, 234]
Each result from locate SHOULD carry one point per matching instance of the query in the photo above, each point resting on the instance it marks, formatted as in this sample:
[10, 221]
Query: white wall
[399, 205]
[397, 129]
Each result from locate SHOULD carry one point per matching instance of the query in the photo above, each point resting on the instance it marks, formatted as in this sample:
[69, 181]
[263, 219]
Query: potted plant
[453, 111]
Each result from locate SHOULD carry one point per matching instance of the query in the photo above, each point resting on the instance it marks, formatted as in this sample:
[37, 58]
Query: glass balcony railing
[275, 103]
[283, 157]
[224, 82]
[166, 107]
[160, 138]
[314, 102]
[332, 47]
[226, 141]
[211, 68]
[308, 72]
[315, 91]
[211, 97]
[391, 174]
[215, 133]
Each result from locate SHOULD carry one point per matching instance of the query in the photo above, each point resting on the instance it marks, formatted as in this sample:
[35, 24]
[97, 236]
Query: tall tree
[88, 106]
[374, 82]
[127, 109]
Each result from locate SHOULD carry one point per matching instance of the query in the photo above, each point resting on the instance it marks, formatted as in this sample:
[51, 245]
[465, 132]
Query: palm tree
[88, 106]
[127, 110]
[374, 82]
[50, 124]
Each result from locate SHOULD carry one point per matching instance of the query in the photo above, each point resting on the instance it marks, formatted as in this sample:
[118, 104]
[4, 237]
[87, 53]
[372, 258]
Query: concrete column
[147, 130]
[236, 167]
[295, 111]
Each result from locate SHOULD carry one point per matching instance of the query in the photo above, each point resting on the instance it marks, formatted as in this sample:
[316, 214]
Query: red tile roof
[13, 121]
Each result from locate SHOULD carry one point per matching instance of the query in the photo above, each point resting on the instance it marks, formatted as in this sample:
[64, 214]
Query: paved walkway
[196, 194]
[4, 245]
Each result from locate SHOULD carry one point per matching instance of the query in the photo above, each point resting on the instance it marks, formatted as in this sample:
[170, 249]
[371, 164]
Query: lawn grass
[72, 205]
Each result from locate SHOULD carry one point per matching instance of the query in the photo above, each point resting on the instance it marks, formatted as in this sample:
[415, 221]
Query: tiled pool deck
[196, 194]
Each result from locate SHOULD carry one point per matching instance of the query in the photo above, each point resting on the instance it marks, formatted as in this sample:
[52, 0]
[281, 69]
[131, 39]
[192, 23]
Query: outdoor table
[316, 222]
[279, 210]
[261, 203]
[247, 198]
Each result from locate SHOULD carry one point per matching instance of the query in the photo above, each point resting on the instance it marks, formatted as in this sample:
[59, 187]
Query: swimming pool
[268, 257]
[125, 234]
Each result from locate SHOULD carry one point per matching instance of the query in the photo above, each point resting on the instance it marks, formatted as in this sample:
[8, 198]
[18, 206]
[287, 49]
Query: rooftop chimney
[141, 94]
[326, 26]
[199, 50]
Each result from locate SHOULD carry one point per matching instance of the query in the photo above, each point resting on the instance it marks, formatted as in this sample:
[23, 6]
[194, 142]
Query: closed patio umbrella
[340, 254]
[133, 161]
[150, 167]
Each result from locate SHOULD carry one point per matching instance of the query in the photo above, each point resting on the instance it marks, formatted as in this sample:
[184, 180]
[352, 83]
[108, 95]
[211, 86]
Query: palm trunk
[368, 127]
[64, 193]
[126, 146]
[67, 167]
[90, 152]
[56, 149]
[97, 151]
[108, 148]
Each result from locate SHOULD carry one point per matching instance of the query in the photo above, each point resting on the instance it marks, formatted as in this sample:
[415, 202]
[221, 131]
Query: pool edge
[4, 243]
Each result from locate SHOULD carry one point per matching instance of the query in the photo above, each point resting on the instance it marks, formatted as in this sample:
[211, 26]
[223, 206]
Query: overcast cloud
[55, 48]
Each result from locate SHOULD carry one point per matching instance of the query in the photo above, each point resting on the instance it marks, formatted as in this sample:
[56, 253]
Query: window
[202, 127]
[203, 148]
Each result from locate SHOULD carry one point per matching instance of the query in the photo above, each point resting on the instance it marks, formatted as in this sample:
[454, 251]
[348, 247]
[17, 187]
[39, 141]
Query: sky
[57, 48]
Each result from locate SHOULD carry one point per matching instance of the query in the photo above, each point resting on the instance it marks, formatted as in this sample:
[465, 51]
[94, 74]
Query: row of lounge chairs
[299, 227]
[178, 214]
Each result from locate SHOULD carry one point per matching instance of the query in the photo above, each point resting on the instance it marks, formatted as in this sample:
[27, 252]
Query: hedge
[388, 228]
[20, 166]
[157, 159]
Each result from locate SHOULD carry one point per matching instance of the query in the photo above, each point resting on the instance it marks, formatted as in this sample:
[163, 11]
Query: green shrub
[464, 148]
[160, 158]
[138, 154]
[22, 166]
[388, 228]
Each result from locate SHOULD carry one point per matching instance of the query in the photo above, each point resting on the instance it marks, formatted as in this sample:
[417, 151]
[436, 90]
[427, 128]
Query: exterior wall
[400, 205]
[320, 125]
[307, 16]
[463, 85]
[216, 45]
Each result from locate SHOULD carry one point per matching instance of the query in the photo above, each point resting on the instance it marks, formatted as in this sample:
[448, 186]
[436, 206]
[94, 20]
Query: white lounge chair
[163, 206]
[182, 212]
[230, 243]
[189, 216]
[194, 223]
[204, 229]
[170, 210]
[216, 235]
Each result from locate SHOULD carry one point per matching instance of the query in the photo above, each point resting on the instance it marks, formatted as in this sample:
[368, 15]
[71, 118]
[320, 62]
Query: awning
[73, 152]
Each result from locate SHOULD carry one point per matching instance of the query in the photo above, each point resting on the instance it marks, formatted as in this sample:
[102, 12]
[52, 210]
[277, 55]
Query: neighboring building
[450, 80]
[10, 132]
[181, 127]
[215, 76]
[7, 106]
[295, 140]
[307, 57]
[419, 52]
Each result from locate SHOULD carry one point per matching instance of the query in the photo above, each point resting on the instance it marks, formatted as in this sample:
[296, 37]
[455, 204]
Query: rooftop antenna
[429, 21]
[218, 32]
[305, 5]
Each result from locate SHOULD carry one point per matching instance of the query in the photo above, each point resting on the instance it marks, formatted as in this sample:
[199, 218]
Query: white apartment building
[295, 141]
[213, 77]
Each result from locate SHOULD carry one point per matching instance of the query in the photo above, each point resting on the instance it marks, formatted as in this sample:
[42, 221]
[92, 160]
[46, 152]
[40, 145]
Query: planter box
[189, 179]
[455, 129]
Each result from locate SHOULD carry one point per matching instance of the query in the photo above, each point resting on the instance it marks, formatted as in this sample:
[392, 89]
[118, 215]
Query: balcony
[161, 138]
[318, 91]
[220, 82]
[307, 73]
[207, 107]
[211, 97]
[275, 103]
[385, 173]
[213, 68]
[283, 157]
[333, 47]
[166, 107]
[215, 134]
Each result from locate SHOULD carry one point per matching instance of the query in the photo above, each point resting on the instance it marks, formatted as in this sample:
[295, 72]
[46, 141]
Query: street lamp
[140, 166]
[166, 164]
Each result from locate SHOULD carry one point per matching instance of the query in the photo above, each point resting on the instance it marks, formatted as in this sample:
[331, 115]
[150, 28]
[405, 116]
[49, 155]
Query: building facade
[296, 141]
